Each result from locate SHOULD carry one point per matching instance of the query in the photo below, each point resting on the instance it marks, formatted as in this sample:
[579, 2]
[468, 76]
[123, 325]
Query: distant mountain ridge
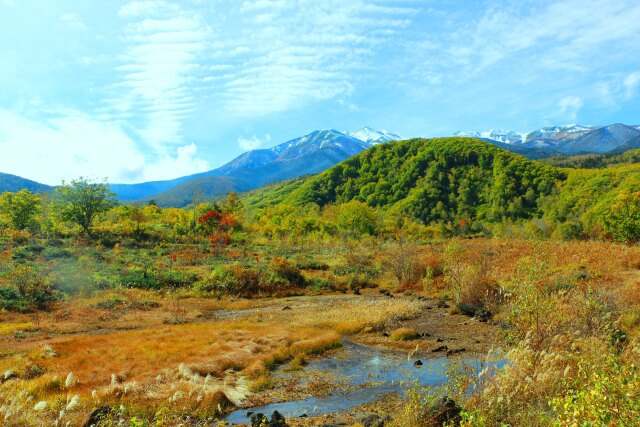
[564, 140]
[15, 183]
[305, 155]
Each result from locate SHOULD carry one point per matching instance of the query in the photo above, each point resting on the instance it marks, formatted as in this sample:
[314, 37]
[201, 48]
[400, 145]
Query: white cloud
[254, 142]
[145, 8]
[287, 54]
[631, 83]
[554, 35]
[73, 21]
[569, 106]
[73, 144]
[159, 71]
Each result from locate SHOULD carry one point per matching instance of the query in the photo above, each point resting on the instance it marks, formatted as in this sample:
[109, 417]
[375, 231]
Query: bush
[138, 279]
[286, 273]
[246, 281]
[54, 252]
[10, 299]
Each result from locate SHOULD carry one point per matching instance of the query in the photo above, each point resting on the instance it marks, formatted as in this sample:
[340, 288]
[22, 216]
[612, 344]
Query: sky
[146, 90]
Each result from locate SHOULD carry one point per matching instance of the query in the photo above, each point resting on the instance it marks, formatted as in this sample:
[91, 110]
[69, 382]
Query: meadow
[166, 316]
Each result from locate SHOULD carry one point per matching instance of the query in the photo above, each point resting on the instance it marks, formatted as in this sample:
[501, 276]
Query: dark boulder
[418, 363]
[442, 304]
[374, 420]
[261, 420]
[444, 412]
[482, 315]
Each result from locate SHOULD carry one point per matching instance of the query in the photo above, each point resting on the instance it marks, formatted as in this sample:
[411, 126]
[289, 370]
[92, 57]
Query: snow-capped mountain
[308, 154]
[564, 140]
[504, 136]
[373, 136]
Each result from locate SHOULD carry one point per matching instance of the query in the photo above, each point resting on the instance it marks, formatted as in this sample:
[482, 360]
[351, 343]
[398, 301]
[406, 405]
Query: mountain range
[565, 140]
[305, 155]
[321, 149]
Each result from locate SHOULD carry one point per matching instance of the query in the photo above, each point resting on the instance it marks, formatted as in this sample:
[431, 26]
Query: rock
[482, 315]
[442, 304]
[455, 351]
[259, 420]
[374, 420]
[385, 334]
[418, 363]
[439, 340]
[444, 412]
[277, 420]
[356, 291]
[439, 349]
[286, 307]
[249, 414]
[99, 416]
[334, 424]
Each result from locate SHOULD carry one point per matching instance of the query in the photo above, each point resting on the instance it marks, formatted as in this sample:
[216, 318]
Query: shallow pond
[376, 372]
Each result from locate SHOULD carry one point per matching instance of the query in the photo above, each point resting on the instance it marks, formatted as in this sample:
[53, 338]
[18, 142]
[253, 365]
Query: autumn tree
[82, 201]
[622, 220]
[19, 209]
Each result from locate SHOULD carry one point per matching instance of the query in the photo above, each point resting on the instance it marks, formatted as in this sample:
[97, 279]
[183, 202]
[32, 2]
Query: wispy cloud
[569, 107]
[292, 53]
[73, 21]
[253, 142]
[552, 35]
[158, 70]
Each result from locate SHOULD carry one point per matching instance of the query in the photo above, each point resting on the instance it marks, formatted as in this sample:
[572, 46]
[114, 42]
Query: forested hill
[15, 183]
[434, 180]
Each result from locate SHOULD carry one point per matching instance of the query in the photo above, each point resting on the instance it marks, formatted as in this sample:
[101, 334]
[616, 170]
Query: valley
[418, 282]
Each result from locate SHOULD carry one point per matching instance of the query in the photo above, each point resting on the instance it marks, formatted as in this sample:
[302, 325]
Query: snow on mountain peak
[373, 136]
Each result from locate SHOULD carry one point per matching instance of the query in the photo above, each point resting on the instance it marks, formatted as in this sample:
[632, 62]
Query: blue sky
[151, 89]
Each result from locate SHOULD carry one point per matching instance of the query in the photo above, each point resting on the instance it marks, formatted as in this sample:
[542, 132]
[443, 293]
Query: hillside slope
[440, 179]
[454, 179]
[14, 183]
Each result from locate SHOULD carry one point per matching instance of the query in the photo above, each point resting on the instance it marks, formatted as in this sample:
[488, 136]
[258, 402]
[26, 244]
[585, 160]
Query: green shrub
[138, 279]
[11, 299]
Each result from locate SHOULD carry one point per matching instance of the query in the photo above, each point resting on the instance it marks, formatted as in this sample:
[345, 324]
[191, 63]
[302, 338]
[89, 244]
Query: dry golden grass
[155, 366]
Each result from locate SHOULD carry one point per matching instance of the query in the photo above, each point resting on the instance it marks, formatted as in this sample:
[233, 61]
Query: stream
[373, 371]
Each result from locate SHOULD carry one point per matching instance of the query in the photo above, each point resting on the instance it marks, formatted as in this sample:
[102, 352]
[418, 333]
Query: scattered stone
[304, 416]
[99, 416]
[442, 304]
[374, 420]
[439, 340]
[248, 415]
[385, 334]
[455, 351]
[444, 412]
[418, 363]
[334, 424]
[286, 307]
[482, 315]
[439, 349]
